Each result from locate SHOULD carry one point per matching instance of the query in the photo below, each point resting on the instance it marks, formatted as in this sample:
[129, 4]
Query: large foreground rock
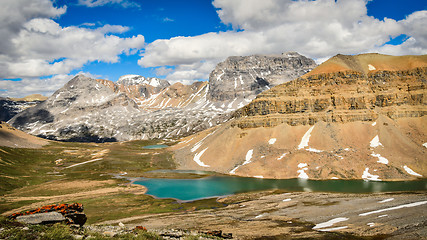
[56, 213]
[41, 218]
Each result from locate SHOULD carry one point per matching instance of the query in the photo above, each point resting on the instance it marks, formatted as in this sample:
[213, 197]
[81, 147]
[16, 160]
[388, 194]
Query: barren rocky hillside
[11, 137]
[352, 117]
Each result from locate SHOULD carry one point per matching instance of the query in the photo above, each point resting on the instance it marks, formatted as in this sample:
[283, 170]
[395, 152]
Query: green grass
[24, 171]
[21, 167]
[127, 205]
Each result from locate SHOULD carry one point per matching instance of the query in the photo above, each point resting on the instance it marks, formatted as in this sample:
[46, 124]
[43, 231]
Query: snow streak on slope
[197, 158]
[305, 139]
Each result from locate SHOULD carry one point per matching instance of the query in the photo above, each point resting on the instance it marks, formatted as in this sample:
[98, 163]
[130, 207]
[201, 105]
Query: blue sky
[155, 19]
[42, 48]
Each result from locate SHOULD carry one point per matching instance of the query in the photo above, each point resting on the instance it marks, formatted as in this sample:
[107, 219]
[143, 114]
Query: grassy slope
[34, 173]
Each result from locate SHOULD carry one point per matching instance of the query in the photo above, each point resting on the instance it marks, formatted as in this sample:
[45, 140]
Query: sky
[44, 43]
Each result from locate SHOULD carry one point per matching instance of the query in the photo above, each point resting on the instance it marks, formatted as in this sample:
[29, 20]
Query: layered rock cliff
[353, 117]
[364, 97]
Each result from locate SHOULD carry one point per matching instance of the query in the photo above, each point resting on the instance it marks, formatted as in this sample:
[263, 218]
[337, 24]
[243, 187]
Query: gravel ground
[294, 215]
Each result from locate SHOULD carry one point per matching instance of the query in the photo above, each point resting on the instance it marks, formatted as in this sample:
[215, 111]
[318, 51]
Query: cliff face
[339, 97]
[246, 77]
[353, 117]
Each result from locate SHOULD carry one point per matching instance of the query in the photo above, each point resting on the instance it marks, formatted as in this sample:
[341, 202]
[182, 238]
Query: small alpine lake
[215, 186]
[159, 146]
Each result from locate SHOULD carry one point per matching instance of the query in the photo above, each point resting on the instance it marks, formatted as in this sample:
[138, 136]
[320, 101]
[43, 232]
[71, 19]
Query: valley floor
[77, 172]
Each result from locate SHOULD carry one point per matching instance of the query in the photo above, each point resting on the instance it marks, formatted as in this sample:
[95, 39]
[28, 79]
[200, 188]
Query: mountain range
[136, 107]
[352, 117]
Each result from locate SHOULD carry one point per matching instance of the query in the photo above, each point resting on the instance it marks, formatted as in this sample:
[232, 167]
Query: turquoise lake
[193, 189]
[155, 146]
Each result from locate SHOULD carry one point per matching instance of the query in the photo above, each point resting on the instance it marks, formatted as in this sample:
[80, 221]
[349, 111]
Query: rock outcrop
[9, 107]
[56, 213]
[246, 77]
[342, 96]
[135, 107]
[353, 117]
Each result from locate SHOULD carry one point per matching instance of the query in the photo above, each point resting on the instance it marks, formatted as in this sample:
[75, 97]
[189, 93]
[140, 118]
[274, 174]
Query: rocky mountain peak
[85, 92]
[132, 79]
[137, 107]
[245, 77]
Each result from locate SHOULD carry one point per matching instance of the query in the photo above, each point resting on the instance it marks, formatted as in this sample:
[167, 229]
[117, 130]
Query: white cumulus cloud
[33, 45]
[45, 86]
[45, 48]
[99, 3]
[317, 29]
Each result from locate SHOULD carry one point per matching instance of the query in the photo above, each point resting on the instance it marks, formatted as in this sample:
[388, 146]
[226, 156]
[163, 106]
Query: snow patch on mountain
[381, 159]
[366, 175]
[197, 158]
[305, 139]
[375, 142]
[412, 172]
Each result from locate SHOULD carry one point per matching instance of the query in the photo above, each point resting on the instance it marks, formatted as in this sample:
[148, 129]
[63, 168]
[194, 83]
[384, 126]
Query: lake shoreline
[193, 189]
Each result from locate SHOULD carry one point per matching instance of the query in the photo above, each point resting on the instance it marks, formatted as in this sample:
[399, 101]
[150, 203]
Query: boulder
[41, 218]
[67, 213]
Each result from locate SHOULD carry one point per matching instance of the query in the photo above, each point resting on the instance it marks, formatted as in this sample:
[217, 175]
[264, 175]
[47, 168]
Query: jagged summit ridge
[132, 79]
[245, 77]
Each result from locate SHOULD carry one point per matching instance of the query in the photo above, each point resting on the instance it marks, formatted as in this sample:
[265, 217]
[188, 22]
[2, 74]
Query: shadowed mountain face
[9, 107]
[135, 107]
[352, 117]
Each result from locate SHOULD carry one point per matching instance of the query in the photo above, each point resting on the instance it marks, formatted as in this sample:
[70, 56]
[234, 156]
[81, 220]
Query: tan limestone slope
[30, 98]
[11, 137]
[334, 150]
[344, 96]
[177, 95]
[345, 124]
[151, 98]
[369, 62]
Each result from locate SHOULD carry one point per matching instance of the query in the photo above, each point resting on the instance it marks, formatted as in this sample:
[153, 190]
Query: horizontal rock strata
[339, 97]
